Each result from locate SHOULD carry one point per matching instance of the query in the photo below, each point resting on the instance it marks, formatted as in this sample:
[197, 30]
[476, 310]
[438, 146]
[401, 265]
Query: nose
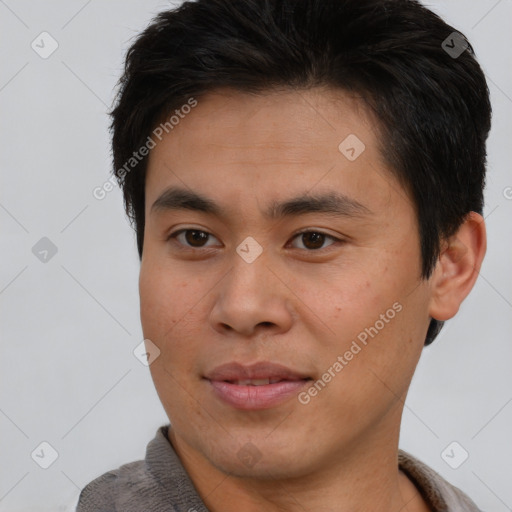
[252, 297]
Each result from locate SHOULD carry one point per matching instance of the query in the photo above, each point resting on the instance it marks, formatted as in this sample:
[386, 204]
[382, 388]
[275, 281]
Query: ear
[457, 267]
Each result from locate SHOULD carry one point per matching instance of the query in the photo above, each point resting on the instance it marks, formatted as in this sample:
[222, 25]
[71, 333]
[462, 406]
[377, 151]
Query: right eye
[190, 238]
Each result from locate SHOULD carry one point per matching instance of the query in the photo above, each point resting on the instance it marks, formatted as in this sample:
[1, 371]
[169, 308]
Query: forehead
[303, 121]
[235, 144]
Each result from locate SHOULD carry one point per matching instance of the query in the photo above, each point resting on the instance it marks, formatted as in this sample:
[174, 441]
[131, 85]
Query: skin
[203, 305]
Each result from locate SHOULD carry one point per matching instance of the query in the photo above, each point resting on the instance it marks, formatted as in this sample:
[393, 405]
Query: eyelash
[175, 234]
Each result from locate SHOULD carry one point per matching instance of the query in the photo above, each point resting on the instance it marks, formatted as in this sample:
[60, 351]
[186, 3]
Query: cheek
[381, 306]
[155, 306]
[171, 311]
[355, 298]
[391, 336]
[378, 358]
[165, 298]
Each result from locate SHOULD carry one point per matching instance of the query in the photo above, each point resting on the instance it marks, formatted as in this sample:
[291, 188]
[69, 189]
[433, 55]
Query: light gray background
[69, 325]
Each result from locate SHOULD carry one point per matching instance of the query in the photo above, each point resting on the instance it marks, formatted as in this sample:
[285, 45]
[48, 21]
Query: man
[305, 179]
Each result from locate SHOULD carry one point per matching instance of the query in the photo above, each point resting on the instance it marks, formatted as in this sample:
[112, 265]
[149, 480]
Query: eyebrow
[332, 203]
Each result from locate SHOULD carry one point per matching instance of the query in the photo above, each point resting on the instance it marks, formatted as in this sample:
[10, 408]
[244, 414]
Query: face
[288, 307]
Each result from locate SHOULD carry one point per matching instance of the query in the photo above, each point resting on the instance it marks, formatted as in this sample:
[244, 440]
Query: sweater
[160, 483]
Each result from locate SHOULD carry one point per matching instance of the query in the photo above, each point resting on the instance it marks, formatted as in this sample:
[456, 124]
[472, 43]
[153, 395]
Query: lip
[248, 397]
[262, 370]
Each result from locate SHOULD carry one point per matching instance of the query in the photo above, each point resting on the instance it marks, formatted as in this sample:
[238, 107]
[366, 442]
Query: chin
[270, 466]
[261, 458]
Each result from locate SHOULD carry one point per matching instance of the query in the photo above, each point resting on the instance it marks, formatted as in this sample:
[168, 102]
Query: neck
[366, 477]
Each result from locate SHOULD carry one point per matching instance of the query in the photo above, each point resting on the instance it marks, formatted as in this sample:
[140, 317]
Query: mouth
[255, 382]
[259, 386]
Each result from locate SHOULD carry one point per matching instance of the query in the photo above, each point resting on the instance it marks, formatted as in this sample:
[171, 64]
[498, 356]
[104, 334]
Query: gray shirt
[159, 483]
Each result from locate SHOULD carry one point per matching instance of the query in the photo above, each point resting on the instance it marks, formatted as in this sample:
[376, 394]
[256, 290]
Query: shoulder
[151, 485]
[102, 494]
[439, 493]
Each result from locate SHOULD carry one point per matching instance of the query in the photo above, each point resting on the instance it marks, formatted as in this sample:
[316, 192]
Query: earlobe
[457, 267]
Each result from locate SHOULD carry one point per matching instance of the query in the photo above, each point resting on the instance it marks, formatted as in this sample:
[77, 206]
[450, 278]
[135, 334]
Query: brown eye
[196, 238]
[314, 240]
[191, 238]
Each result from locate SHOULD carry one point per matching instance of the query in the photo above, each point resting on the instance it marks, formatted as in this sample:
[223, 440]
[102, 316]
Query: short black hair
[414, 71]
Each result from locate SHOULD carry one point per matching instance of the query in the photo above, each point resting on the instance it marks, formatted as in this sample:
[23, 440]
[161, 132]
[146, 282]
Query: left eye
[196, 239]
[314, 239]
